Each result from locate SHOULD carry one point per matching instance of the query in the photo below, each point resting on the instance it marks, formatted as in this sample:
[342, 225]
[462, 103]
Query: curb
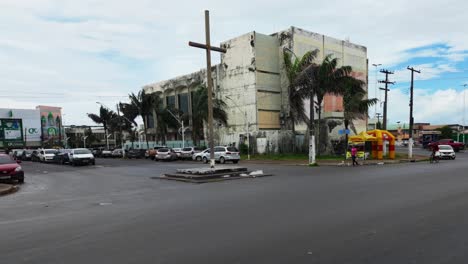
[9, 190]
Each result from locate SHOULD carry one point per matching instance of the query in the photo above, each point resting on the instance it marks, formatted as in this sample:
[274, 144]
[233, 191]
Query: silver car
[188, 152]
[166, 154]
[223, 154]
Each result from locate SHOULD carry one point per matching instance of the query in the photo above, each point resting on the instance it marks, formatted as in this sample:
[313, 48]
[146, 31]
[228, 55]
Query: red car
[455, 145]
[10, 169]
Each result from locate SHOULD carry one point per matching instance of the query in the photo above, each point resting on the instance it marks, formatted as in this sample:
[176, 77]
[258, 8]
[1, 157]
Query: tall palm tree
[199, 113]
[355, 104]
[145, 104]
[296, 91]
[130, 113]
[329, 80]
[105, 118]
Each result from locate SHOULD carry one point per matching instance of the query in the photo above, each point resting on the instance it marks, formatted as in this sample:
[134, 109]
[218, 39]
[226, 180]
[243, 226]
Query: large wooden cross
[208, 49]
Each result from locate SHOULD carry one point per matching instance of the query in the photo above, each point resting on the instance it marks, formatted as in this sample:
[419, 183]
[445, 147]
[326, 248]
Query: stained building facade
[252, 81]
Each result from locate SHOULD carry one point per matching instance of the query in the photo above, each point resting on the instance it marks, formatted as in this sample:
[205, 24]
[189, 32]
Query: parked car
[105, 153]
[198, 156]
[27, 154]
[35, 155]
[223, 154]
[18, 154]
[81, 156]
[152, 152]
[178, 151]
[12, 152]
[62, 156]
[46, 155]
[446, 152]
[188, 152]
[454, 144]
[117, 153]
[136, 153]
[10, 169]
[166, 154]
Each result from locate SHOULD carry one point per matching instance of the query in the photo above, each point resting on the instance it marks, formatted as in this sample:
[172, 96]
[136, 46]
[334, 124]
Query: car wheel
[198, 158]
[453, 158]
[222, 160]
[93, 163]
[21, 180]
[62, 161]
[235, 161]
[205, 160]
[73, 163]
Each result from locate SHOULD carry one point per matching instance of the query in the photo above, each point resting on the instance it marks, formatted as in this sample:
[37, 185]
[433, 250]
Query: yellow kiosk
[377, 137]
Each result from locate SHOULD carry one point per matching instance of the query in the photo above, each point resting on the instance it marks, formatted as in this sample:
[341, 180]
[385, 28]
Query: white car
[47, 155]
[198, 156]
[223, 154]
[178, 152]
[81, 156]
[446, 152]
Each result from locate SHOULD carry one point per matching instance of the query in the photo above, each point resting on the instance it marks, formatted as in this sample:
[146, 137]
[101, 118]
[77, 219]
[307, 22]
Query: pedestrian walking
[353, 155]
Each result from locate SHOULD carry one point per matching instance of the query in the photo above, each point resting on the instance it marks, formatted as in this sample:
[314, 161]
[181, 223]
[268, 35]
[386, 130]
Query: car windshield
[19, 152]
[445, 147]
[50, 151]
[29, 151]
[233, 149]
[82, 151]
[163, 150]
[6, 160]
[187, 149]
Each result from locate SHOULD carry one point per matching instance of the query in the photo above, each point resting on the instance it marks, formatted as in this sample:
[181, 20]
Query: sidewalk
[7, 188]
[336, 162]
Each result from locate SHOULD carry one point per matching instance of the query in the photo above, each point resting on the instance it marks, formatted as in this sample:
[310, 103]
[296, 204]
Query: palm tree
[296, 91]
[355, 104]
[200, 112]
[105, 118]
[144, 103]
[130, 113]
[329, 80]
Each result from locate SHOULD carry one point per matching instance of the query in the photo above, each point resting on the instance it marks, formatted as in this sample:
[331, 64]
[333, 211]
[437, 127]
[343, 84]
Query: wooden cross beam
[208, 49]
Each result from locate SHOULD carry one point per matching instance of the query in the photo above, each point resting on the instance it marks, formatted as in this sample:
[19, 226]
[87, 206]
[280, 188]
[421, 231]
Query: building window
[170, 102]
[150, 121]
[183, 103]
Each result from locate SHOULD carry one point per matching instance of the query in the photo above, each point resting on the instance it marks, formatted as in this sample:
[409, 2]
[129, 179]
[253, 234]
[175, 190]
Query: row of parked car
[62, 156]
[222, 154]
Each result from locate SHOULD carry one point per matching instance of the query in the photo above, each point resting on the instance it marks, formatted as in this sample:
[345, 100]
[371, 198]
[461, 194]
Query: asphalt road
[115, 213]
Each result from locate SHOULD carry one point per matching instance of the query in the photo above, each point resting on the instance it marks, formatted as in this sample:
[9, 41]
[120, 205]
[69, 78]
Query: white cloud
[440, 107]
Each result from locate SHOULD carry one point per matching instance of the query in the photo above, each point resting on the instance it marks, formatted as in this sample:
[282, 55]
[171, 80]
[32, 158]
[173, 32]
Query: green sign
[11, 132]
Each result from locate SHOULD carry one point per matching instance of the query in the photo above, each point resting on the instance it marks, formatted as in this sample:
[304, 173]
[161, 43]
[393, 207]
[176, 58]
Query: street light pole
[464, 110]
[84, 141]
[247, 125]
[375, 84]
[181, 122]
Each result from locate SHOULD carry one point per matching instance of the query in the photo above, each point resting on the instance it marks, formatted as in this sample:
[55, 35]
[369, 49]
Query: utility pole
[121, 133]
[378, 115]
[410, 140]
[208, 49]
[387, 82]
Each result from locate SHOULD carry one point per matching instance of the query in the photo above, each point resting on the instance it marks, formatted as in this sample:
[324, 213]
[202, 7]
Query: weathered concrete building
[251, 80]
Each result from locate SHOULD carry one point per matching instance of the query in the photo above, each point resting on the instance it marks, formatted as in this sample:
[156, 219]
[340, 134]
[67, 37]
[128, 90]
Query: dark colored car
[62, 156]
[136, 153]
[10, 169]
[17, 154]
[35, 155]
[27, 154]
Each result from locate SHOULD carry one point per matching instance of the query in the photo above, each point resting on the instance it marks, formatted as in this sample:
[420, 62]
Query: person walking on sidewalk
[353, 155]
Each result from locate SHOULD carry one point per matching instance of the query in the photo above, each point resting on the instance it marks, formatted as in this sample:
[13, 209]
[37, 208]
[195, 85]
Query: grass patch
[291, 156]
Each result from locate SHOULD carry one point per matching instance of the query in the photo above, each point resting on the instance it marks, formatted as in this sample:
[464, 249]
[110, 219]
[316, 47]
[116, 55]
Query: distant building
[252, 81]
[30, 127]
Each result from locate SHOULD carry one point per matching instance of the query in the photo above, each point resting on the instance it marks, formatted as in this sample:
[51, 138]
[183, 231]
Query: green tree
[446, 132]
[145, 105]
[296, 91]
[104, 118]
[199, 113]
[355, 104]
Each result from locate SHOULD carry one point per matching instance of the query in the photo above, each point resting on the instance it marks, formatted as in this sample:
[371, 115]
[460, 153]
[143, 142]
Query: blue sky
[74, 53]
